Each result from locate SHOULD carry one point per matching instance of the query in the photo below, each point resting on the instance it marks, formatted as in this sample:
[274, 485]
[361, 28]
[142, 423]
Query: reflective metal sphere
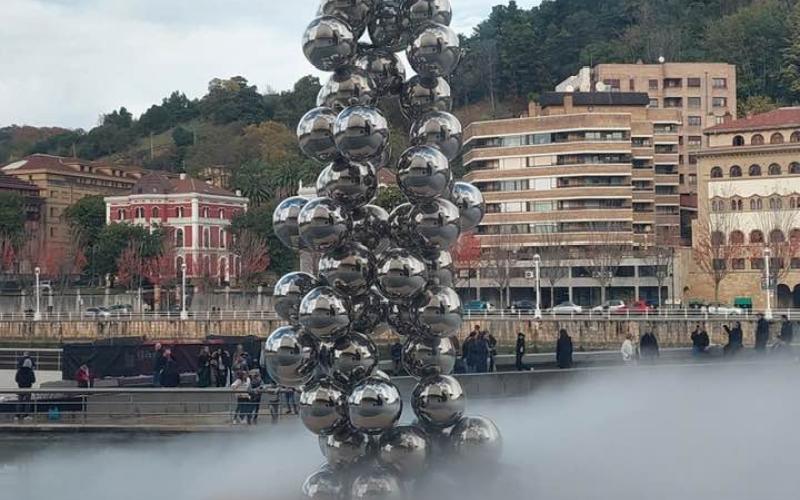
[371, 228]
[429, 356]
[422, 95]
[347, 87]
[361, 133]
[439, 312]
[322, 407]
[435, 51]
[438, 401]
[323, 224]
[324, 484]
[441, 268]
[345, 447]
[437, 223]
[353, 12]
[401, 275]
[423, 172]
[389, 26]
[315, 134]
[377, 485]
[289, 291]
[422, 12]
[477, 440]
[348, 183]
[400, 227]
[405, 450]
[385, 69]
[284, 221]
[402, 319]
[440, 129]
[374, 405]
[290, 356]
[471, 206]
[354, 356]
[324, 312]
[329, 43]
[368, 311]
[348, 268]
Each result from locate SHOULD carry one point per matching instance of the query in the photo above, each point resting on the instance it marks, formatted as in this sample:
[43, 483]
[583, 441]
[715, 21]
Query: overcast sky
[65, 62]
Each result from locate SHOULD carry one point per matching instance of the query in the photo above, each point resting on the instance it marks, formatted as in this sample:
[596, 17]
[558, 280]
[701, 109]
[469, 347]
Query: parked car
[567, 308]
[478, 306]
[638, 307]
[723, 310]
[121, 310]
[609, 306]
[97, 313]
[523, 306]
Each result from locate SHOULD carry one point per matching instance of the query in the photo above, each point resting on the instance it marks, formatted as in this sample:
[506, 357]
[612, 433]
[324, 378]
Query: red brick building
[197, 215]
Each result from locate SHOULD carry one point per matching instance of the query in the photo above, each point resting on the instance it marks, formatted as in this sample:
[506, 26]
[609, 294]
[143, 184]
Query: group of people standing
[479, 351]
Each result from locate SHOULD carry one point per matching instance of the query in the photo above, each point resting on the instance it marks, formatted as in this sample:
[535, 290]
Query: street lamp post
[768, 311]
[537, 262]
[38, 314]
[184, 314]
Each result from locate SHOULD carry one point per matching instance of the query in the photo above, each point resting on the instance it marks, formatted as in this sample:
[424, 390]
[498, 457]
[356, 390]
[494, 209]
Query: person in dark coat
[466, 350]
[204, 367]
[564, 350]
[762, 333]
[648, 347]
[480, 353]
[787, 330]
[492, 350]
[255, 391]
[158, 363]
[21, 360]
[25, 378]
[700, 341]
[169, 374]
[735, 339]
[397, 357]
[519, 351]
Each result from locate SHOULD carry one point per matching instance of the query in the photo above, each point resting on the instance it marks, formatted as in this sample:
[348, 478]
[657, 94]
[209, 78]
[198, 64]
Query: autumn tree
[499, 262]
[713, 251]
[251, 249]
[467, 255]
[605, 256]
[555, 255]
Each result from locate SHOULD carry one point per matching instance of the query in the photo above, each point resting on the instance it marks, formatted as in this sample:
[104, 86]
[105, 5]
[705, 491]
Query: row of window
[756, 263]
[757, 203]
[179, 212]
[755, 170]
[552, 206]
[555, 227]
[756, 237]
[548, 138]
[205, 238]
[548, 183]
[758, 139]
[614, 84]
[691, 102]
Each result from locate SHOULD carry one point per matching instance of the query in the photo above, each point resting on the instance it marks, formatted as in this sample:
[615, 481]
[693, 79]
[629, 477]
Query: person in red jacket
[83, 377]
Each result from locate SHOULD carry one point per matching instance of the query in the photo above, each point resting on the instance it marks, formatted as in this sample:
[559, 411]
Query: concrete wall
[541, 335]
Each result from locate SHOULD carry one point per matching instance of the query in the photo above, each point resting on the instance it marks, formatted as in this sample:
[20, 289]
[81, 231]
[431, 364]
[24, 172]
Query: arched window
[221, 213]
[794, 236]
[795, 137]
[738, 140]
[739, 205]
[121, 214]
[714, 206]
[755, 171]
[737, 238]
[752, 203]
[792, 203]
[179, 266]
[717, 238]
[774, 169]
[756, 237]
[139, 213]
[757, 140]
[776, 138]
[716, 173]
[794, 168]
[775, 203]
[759, 204]
[205, 212]
[776, 236]
[179, 238]
[155, 214]
[736, 171]
[733, 205]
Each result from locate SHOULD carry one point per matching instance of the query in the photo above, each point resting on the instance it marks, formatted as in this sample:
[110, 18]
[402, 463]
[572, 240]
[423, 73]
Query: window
[206, 238]
[774, 169]
[775, 203]
[738, 140]
[179, 238]
[121, 214]
[719, 83]
[673, 102]
[757, 263]
[717, 238]
[756, 237]
[693, 82]
[757, 140]
[221, 213]
[795, 137]
[653, 84]
[794, 168]
[737, 238]
[695, 121]
[737, 264]
[719, 102]
[692, 179]
[736, 171]
[155, 213]
[776, 236]
[716, 173]
[719, 264]
[754, 171]
[776, 138]
[179, 212]
[612, 83]
[222, 238]
[632, 84]
[205, 212]
[694, 102]
[673, 83]
[653, 103]
[139, 213]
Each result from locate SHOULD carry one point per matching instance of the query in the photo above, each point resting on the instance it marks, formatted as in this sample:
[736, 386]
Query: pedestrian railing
[44, 359]
[156, 315]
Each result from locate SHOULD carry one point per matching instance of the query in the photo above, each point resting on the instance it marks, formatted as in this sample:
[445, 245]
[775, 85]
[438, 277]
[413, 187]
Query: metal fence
[158, 315]
[45, 359]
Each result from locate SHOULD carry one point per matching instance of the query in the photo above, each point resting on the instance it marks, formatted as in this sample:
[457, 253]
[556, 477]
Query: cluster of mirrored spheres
[378, 273]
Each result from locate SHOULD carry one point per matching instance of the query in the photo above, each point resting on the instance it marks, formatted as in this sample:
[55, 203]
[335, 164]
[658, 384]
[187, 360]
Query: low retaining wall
[540, 335]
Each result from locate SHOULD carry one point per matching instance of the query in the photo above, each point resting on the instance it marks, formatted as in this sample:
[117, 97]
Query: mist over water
[695, 433]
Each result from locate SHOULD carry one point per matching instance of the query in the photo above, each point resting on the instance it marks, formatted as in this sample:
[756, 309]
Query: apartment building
[581, 171]
[749, 211]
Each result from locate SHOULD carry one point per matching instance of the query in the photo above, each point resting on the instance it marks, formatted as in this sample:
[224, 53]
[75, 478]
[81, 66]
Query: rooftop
[779, 118]
[61, 164]
[159, 183]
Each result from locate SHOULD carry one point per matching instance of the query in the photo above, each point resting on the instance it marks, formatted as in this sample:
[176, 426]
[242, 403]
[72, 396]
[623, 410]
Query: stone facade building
[749, 210]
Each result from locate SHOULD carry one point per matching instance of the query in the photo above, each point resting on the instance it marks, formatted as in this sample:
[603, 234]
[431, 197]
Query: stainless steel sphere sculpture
[379, 273]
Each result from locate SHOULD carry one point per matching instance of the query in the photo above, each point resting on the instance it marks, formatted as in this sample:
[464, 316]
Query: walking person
[25, 378]
[241, 386]
[220, 362]
[519, 352]
[627, 350]
[700, 341]
[787, 330]
[466, 352]
[480, 353]
[204, 367]
[735, 339]
[762, 334]
[564, 350]
[158, 363]
[170, 377]
[648, 347]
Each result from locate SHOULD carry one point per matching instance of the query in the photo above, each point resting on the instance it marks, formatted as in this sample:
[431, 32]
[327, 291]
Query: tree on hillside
[12, 218]
[270, 142]
[755, 105]
[173, 110]
[791, 56]
[289, 106]
[233, 100]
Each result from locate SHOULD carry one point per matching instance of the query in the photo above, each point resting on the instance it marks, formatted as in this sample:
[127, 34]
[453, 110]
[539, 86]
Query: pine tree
[791, 55]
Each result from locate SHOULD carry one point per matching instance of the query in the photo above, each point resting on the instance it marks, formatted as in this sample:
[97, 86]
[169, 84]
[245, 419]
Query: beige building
[63, 181]
[749, 210]
[582, 170]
